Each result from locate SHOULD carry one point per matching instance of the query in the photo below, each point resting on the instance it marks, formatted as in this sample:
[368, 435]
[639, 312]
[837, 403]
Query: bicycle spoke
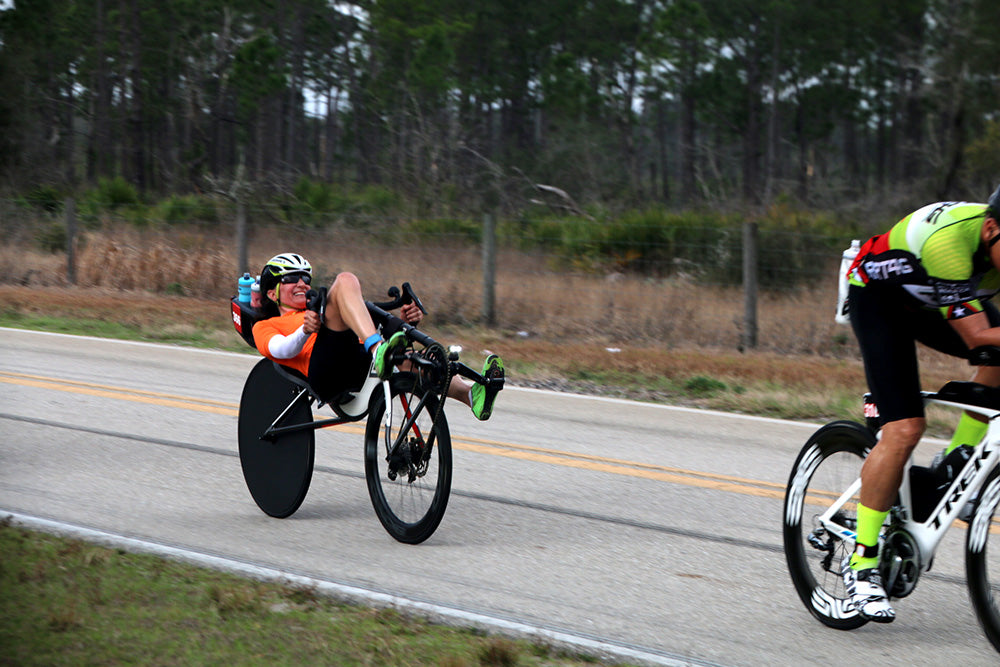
[409, 482]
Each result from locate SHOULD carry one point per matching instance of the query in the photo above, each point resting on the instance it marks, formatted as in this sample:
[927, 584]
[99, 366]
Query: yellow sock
[869, 526]
[968, 432]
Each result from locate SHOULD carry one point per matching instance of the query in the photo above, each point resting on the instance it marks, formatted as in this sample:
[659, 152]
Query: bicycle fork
[400, 448]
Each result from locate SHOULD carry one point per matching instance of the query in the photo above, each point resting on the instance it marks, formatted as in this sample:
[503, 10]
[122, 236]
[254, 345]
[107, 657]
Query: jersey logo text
[883, 270]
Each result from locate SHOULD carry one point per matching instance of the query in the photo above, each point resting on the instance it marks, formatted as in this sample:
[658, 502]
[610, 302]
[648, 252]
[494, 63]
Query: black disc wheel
[982, 559]
[827, 465]
[408, 472]
[277, 470]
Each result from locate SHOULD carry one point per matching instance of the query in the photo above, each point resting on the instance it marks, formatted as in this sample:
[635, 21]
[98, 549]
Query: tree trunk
[100, 150]
[661, 145]
[688, 127]
[137, 134]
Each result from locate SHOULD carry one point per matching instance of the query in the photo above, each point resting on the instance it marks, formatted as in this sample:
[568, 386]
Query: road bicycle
[407, 445]
[822, 496]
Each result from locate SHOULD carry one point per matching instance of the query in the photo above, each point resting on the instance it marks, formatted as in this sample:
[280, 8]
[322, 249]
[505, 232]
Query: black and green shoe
[384, 352]
[484, 396]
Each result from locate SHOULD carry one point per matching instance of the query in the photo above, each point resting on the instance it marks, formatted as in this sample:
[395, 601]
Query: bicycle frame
[352, 410]
[928, 533]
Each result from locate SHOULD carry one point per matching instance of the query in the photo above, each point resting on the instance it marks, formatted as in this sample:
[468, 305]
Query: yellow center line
[590, 462]
[477, 445]
[119, 393]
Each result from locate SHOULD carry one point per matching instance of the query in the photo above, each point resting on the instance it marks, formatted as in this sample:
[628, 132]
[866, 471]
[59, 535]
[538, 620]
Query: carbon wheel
[278, 471]
[982, 559]
[827, 465]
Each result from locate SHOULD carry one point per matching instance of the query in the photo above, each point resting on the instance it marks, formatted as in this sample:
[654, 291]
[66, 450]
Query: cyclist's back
[936, 256]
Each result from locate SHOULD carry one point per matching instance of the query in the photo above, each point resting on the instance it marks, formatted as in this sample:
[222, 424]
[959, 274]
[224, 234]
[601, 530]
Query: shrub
[188, 208]
[45, 198]
[116, 193]
[52, 237]
[318, 197]
[446, 229]
[380, 200]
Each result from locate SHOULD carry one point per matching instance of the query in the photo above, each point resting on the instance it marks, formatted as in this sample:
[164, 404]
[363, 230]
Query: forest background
[618, 148]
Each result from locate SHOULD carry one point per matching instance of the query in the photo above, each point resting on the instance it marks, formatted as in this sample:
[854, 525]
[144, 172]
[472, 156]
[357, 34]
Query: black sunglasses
[292, 278]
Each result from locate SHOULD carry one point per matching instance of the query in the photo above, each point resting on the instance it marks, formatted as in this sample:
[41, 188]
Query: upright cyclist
[335, 354]
[925, 280]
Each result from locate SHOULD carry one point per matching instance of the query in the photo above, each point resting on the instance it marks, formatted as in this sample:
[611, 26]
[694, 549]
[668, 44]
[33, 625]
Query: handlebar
[390, 323]
[400, 299]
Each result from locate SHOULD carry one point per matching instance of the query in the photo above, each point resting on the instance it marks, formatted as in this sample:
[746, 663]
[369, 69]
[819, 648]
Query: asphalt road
[652, 529]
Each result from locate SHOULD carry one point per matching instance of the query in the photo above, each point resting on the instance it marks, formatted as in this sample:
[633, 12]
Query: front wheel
[408, 474]
[828, 464]
[982, 558]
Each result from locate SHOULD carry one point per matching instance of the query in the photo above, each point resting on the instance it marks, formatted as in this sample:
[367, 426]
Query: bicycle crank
[900, 563]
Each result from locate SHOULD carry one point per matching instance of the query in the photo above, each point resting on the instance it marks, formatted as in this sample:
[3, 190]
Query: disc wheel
[982, 559]
[277, 471]
[828, 464]
[409, 484]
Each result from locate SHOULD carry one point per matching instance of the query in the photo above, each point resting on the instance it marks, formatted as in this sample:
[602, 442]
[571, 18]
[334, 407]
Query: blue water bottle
[244, 285]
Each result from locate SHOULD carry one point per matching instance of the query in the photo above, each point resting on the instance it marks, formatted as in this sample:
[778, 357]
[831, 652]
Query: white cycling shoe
[867, 594]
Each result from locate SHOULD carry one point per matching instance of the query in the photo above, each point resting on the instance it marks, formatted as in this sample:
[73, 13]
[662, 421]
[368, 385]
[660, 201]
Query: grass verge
[67, 602]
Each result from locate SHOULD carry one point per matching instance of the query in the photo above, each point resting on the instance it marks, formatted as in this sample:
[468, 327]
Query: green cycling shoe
[384, 353]
[483, 397]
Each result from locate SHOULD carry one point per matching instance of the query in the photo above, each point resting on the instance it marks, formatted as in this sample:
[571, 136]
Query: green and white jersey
[935, 254]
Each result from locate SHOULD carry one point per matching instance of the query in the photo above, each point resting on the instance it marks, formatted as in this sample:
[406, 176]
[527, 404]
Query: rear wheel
[828, 464]
[982, 559]
[409, 484]
[277, 471]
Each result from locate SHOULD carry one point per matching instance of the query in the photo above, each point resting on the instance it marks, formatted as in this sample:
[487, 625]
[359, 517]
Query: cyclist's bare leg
[345, 307]
[882, 471]
[988, 375]
[881, 475]
[459, 390]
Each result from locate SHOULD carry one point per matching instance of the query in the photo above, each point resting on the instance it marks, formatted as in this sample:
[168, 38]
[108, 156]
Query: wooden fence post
[241, 236]
[70, 213]
[489, 268]
[750, 259]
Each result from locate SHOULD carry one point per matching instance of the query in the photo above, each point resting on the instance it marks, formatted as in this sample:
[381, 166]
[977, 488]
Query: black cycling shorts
[888, 323]
[338, 363]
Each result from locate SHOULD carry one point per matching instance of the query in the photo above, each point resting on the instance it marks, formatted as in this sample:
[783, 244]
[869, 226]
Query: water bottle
[255, 293]
[842, 316]
[243, 285]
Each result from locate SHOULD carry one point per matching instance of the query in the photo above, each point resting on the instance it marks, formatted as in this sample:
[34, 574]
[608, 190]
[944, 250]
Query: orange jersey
[284, 325]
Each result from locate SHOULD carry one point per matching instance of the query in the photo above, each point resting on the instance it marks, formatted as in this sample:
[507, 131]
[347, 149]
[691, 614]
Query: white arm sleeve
[286, 347]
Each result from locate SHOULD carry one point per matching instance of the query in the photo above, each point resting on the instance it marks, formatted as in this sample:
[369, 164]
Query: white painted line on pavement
[454, 616]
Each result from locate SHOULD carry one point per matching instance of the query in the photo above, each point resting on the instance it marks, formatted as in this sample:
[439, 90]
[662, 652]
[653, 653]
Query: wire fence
[734, 287]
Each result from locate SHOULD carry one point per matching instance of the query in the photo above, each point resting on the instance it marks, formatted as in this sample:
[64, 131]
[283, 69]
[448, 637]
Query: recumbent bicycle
[407, 447]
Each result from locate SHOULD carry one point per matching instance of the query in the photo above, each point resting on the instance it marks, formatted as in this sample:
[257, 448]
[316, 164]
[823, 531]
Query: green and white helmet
[281, 265]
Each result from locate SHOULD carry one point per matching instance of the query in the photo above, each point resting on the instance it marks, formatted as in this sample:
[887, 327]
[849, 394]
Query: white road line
[594, 646]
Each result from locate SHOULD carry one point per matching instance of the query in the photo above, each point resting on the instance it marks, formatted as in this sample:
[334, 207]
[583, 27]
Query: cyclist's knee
[346, 282]
[905, 433]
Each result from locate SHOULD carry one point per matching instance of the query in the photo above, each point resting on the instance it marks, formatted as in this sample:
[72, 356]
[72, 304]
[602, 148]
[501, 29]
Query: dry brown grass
[552, 324]
[532, 293]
